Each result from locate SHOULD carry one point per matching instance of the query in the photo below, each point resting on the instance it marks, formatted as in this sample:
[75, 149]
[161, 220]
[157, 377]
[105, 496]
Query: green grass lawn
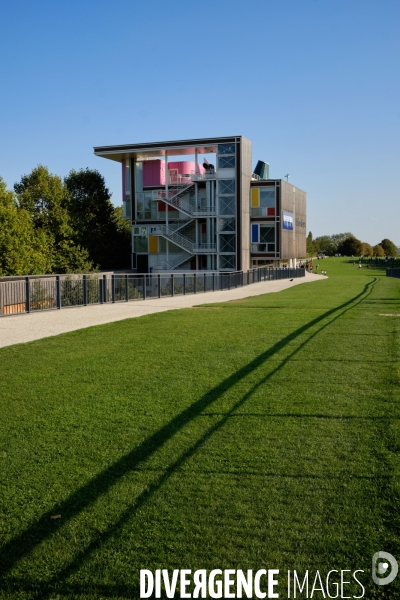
[261, 433]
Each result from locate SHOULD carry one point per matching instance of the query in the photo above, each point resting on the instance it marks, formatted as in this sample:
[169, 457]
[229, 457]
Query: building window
[143, 205]
[267, 197]
[226, 262]
[263, 201]
[227, 242]
[226, 186]
[226, 149]
[226, 162]
[263, 237]
[226, 205]
[267, 233]
[140, 244]
[226, 224]
[139, 241]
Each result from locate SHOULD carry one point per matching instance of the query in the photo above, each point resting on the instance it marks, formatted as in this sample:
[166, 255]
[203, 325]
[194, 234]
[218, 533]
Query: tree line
[348, 245]
[50, 225]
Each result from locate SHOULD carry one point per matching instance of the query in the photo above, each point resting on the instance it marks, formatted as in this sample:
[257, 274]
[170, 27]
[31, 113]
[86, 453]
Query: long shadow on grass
[25, 542]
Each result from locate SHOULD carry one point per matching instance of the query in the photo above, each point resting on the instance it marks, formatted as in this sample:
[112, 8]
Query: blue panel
[254, 234]
[287, 220]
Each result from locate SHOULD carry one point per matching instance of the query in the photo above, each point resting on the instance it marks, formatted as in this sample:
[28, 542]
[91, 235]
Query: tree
[23, 249]
[378, 250]
[45, 198]
[338, 238]
[366, 249]
[389, 247]
[98, 225]
[350, 246]
[312, 246]
[326, 245]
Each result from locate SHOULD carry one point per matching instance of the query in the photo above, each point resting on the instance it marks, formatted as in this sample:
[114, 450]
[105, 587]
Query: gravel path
[17, 329]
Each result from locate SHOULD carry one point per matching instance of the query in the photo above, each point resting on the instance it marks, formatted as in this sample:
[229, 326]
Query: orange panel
[153, 244]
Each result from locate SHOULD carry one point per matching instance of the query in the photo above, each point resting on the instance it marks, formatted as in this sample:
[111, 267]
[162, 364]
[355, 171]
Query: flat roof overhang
[158, 149]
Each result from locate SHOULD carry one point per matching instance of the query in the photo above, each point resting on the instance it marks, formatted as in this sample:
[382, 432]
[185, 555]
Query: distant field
[261, 433]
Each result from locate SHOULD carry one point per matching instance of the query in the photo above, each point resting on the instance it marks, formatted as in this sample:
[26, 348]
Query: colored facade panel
[185, 167]
[255, 197]
[270, 211]
[153, 172]
[153, 244]
[254, 234]
[161, 207]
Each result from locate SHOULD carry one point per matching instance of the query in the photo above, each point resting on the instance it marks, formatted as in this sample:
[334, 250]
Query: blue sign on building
[287, 220]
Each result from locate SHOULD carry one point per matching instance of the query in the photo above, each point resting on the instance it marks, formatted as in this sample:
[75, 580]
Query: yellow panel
[255, 194]
[153, 239]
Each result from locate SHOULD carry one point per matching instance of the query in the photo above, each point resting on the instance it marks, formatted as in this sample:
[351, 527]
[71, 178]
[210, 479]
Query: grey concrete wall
[245, 178]
[293, 200]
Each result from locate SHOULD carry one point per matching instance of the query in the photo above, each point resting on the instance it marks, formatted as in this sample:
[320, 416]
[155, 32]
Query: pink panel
[153, 172]
[185, 167]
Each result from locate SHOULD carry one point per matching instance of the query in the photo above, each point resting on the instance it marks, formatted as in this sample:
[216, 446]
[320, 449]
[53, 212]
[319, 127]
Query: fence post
[58, 292]
[126, 288]
[113, 288]
[172, 284]
[214, 282]
[229, 284]
[184, 283]
[101, 291]
[205, 282]
[144, 287]
[159, 285]
[195, 283]
[27, 295]
[85, 297]
[104, 288]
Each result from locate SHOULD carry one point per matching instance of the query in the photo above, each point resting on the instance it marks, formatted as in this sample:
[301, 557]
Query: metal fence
[393, 273]
[20, 295]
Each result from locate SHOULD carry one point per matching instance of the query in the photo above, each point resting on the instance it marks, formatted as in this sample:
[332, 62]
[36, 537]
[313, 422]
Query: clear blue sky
[313, 84]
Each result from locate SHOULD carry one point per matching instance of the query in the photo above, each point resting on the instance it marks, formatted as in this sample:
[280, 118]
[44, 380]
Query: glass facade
[140, 244]
[227, 224]
[226, 149]
[263, 237]
[226, 262]
[227, 242]
[226, 205]
[267, 197]
[226, 186]
[139, 239]
[263, 201]
[226, 162]
[143, 205]
[209, 238]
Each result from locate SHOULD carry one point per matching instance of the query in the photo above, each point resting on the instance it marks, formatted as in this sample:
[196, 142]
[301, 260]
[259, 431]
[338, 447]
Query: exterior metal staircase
[176, 197]
[171, 234]
[176, 225]
[173, 263]
[175, 237]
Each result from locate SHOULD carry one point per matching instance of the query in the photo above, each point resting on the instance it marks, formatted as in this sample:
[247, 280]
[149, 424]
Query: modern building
[199, 205]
